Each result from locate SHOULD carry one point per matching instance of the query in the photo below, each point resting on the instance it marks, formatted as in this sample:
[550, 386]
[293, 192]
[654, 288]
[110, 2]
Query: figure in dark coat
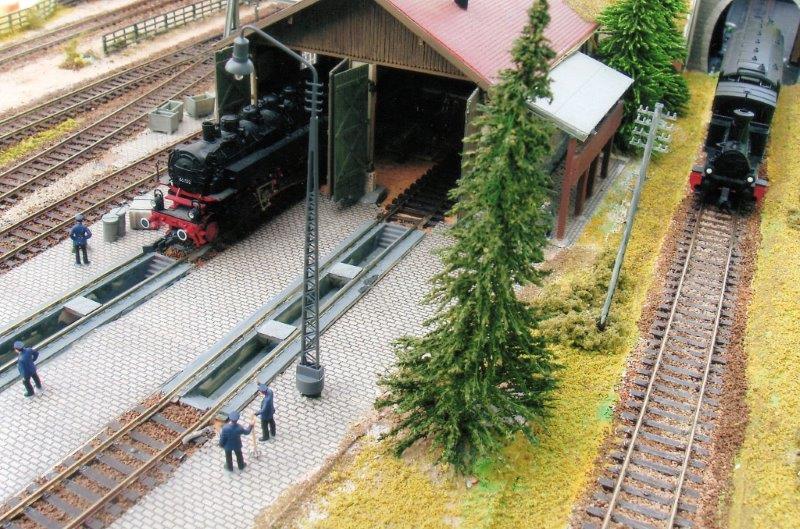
[230, 438]
[80, 235]
[27, 368]
[267, 412]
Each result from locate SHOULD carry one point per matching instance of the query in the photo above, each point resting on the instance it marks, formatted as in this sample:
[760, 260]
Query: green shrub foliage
[482, 373]
[568, 311]
[640, 39]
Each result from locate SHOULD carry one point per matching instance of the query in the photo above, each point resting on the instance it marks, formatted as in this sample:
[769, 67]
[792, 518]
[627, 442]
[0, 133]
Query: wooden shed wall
[361, 30]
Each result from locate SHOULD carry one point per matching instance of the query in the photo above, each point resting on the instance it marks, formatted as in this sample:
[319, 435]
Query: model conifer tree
[480, 374]
[640, 39]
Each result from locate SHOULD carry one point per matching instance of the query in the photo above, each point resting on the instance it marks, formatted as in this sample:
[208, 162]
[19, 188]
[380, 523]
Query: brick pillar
[606, 157]
[566, 187]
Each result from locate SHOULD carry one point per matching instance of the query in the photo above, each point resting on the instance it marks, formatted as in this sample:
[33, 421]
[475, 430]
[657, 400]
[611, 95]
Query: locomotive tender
[744, 102]
[226, 181]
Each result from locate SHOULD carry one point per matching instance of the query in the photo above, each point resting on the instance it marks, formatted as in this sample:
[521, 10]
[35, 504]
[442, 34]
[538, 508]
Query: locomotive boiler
[742, 110]
[227, 180]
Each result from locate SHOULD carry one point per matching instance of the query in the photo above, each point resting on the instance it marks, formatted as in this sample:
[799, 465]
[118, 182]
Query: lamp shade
[240, 65]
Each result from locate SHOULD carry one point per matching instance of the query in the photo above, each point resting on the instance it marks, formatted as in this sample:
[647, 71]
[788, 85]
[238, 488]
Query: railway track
[105, 476]
[24, 49]
[426, 201]
[42, 229]
[46, 115]
[53, 163]
[654, 479]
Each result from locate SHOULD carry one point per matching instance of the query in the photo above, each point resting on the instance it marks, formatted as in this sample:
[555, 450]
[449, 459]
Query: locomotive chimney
[741, 120]
[462, 3]
[209, 132]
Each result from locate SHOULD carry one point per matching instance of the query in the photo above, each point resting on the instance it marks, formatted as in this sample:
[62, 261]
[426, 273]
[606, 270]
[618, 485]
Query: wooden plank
[41, 519]
[624, 520]
[172, 425]
[66, 507]
[81, 491]
[115, 463]
[147, 440]
[609, 484]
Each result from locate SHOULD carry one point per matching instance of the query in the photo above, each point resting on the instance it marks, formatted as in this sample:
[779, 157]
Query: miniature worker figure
[26, 356]
[230, 438]
[80, 235]
[267, 412]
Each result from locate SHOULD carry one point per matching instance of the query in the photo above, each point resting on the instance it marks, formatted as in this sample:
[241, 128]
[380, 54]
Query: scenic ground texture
[767, 471]
[537, 485]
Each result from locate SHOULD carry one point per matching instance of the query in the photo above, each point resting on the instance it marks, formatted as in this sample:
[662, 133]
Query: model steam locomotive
[227, 180]
[744, 102]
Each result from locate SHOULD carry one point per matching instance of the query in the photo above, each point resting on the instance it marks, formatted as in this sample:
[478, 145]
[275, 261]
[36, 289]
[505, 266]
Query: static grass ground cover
[536, 486]
[589, 9]
[19, 150]
[766, 477]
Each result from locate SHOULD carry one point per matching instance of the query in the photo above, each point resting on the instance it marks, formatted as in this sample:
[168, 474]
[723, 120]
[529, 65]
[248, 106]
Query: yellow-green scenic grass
[19, 150]
[537, 485]
[35, 22]
[589, 9]
[766, 476]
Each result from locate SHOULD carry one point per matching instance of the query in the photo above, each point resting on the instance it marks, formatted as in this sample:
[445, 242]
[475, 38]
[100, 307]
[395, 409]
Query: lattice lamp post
[310, 373]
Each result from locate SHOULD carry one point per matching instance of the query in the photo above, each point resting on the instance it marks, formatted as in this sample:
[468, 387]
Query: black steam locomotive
[744, 102]
[226, 181]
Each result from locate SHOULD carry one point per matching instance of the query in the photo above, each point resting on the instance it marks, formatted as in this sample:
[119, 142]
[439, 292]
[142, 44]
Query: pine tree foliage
[480, 375]
[640, 39]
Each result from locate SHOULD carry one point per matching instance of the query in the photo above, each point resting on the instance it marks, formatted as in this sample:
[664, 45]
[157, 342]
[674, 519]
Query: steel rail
[107, 93]
[102, 20]
[103, 179]
[673, 513]
[109, 198]
[640, 420]
[87, 452]
[209, 415]
[5, 195]
[98, 82]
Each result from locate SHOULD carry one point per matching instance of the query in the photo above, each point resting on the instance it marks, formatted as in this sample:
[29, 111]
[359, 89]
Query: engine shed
[404, 78]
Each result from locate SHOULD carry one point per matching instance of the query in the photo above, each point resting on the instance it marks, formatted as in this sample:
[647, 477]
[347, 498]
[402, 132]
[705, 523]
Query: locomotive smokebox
[209, 131]
[741, 120]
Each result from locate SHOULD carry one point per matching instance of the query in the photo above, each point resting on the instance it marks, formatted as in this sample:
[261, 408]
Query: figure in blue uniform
[26, 356]
[230, 438]
[80, 235]
[267, 412]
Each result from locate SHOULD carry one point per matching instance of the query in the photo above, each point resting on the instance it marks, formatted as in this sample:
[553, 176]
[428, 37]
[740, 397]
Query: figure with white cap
[80, 235]
[267, 412]
[26, 356]
[230, 439]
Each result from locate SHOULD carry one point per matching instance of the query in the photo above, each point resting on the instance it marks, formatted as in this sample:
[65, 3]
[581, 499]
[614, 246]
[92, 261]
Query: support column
[580, 196]
[606, 157]
[566, 187]
[592, 173]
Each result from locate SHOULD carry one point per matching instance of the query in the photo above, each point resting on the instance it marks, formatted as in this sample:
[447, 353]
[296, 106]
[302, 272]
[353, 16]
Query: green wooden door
[349, 125]
[232, 95]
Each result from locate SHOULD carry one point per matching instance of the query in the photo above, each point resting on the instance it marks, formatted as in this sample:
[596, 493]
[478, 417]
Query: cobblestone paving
[354, 351]
[53, 273]
[123, 362]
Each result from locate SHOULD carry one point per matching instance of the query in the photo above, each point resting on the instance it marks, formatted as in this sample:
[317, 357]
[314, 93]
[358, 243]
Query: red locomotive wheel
[212, 230]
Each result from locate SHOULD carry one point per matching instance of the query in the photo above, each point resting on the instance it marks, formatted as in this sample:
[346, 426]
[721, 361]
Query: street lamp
[310, 373]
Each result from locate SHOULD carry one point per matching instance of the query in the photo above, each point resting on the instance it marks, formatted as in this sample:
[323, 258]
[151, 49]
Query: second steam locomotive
[226, 181]
[744, 102]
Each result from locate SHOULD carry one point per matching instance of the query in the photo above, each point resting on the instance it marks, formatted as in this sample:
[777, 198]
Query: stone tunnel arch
[708, 13]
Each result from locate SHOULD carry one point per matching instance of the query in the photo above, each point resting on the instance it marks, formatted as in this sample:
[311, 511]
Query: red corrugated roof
[481, 36]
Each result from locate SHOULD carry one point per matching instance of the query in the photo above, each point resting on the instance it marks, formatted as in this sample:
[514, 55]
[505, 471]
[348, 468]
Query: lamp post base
[310, 380]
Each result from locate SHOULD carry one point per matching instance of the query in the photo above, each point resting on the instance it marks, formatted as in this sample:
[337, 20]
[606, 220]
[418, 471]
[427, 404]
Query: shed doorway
[419, 129]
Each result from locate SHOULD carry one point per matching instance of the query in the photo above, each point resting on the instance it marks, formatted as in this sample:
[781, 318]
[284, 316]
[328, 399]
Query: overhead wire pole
[310, 375]
[654, 127]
